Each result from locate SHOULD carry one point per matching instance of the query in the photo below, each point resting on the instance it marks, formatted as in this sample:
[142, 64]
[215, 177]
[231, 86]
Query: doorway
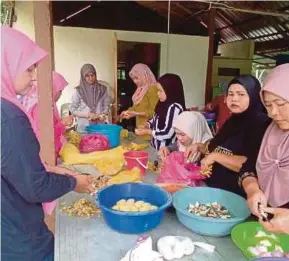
[129, 54]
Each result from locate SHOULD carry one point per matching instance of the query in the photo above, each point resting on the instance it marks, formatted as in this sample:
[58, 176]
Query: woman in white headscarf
[190, 127]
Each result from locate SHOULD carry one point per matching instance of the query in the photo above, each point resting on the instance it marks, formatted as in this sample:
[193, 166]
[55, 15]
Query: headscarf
[194, 125]
[173, 87]
[90, 93]
[147, 79]
[239, 123]
[30, 103]
[273, 160]
[18, 53]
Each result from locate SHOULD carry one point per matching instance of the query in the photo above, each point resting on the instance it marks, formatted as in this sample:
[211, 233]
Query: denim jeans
[50, 257]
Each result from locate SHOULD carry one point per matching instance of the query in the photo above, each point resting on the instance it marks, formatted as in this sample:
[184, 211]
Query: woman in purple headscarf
[90, 100]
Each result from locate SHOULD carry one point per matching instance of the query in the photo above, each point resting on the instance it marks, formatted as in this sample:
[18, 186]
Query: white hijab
[194, 125]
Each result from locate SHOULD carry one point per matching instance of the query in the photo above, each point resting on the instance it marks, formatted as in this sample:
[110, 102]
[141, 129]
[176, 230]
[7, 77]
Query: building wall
[239, 49]
[183, 55]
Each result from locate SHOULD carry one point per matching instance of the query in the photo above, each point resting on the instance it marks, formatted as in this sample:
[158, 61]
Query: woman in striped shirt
[171, 104]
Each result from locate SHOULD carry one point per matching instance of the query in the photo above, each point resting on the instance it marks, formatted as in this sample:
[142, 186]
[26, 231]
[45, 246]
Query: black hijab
[241, 122]
[173, 87]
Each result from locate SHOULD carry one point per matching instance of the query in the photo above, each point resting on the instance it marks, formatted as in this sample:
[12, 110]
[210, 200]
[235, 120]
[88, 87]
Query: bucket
[137, 159]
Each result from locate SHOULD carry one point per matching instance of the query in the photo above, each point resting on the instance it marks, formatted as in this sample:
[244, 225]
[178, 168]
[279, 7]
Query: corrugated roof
[270, 32]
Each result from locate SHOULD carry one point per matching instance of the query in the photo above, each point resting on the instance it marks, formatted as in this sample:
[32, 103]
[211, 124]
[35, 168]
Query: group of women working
[249, 155]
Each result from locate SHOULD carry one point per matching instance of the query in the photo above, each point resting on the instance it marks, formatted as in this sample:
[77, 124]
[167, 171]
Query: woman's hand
[142, 132]
[92, 116]
[191, 150]
[128, 115]
[208, 161]
[255, 198]
[67, 120]
[84, 184]
[144, 126]
[279, 223]
[163, 153]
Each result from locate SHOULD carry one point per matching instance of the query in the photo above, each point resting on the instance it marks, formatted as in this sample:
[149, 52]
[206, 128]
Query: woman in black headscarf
[239, 138]
[171, 104]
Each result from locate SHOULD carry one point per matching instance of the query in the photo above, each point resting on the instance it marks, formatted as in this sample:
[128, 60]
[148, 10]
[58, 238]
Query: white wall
[187, 55]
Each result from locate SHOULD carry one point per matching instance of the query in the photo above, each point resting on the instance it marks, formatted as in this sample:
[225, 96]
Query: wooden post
[44, 38]
[211, 30]
[115, 102]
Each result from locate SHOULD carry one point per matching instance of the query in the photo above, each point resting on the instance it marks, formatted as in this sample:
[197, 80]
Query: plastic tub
[206, 225]
[137, 159]
[111, 131]
[133, 222]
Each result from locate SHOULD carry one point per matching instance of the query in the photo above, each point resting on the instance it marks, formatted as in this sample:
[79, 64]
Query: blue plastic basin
[111, 131]
[206, 225]
[133, 222]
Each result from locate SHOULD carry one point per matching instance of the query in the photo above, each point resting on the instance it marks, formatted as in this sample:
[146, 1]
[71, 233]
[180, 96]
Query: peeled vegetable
[131, 205]
[73, 137]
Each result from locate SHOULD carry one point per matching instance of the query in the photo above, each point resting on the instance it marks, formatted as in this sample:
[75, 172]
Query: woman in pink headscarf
[145, 97]
[30, 103]
[25, 182]
[269, 182]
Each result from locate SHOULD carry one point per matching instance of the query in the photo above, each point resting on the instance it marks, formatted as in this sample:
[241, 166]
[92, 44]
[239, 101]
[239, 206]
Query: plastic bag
[93, 142]
[70, 155]
[176, 171]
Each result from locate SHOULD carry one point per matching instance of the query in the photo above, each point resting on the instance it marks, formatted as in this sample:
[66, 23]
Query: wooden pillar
[211, 30]
[44, 38]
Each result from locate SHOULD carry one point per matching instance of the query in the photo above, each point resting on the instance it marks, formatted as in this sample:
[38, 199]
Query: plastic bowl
[206, 225]
[133, 222]
[111, 131]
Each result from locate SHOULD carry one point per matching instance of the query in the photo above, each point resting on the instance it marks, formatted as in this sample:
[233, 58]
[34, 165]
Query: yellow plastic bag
[126, 176]
[109, 166]
[135, 146]
[70, 155]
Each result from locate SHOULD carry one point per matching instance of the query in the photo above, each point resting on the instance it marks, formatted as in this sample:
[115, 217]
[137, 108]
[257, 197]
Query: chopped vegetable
[81, 208]
[214, 210]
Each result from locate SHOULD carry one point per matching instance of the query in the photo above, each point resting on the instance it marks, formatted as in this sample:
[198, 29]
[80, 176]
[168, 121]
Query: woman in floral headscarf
[267, 181]
[145, 97]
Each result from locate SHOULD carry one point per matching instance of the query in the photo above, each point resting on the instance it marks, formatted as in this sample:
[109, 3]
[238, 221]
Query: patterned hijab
[90, 93]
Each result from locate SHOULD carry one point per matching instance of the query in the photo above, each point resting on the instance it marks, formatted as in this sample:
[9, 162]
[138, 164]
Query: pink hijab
[273, 160]
[18, 53]
[30, 103]
[148, 80]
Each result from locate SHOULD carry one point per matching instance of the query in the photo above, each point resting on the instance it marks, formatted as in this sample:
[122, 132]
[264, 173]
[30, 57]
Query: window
[6, 12]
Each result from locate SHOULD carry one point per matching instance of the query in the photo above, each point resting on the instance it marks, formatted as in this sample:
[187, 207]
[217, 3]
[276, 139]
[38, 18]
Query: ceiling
[233, 19]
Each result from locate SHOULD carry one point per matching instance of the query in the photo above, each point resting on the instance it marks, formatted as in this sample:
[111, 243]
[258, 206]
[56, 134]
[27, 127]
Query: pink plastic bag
[176, 170]
[93, 142]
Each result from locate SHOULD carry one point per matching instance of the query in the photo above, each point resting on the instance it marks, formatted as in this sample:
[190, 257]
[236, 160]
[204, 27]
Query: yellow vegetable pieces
[126, 176]
[131, 205]
[135, 146]
[109, 166]
[124, 134]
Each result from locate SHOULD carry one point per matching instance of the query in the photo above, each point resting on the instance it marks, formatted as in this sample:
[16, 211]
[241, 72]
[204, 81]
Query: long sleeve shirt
[80, 109]
[25, 184]
[164, 136]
